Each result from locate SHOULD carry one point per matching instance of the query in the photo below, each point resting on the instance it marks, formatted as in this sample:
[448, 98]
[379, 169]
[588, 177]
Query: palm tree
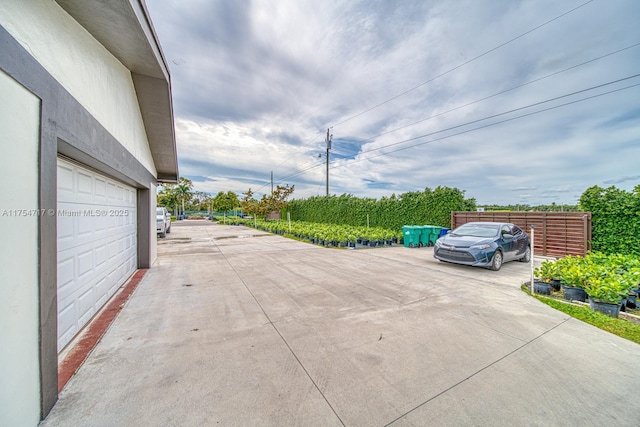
[183, 190]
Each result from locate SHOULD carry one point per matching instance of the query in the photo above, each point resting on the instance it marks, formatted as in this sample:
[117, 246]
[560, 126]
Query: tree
[200, 201]
[249, 204]
[277, 200]
[184, 191]
[267, 204]
[175, 195]
[224, 202]
[167, 197]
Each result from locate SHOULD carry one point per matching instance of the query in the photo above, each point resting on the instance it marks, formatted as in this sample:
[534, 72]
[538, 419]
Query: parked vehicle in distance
[163, 221]
[484, 244]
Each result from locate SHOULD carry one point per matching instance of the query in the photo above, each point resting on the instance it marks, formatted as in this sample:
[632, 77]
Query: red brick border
[95, 330]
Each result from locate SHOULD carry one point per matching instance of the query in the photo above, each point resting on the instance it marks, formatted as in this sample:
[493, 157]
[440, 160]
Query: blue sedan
[484, 244]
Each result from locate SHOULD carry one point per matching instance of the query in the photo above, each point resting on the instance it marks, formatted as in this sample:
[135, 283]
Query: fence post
[532, 245]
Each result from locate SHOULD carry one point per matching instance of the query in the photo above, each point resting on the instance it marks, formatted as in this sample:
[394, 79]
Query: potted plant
[606, 292]
[543, 276]
[574, 272]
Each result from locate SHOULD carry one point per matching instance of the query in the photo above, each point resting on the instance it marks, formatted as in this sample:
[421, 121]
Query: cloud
[635, 179]
[257, 84]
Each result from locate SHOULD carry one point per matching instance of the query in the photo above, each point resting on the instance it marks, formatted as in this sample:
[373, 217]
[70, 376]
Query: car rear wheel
[496, 262]
[527, 255]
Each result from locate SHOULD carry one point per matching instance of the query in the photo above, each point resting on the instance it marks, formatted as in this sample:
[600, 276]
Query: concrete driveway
[234, 326]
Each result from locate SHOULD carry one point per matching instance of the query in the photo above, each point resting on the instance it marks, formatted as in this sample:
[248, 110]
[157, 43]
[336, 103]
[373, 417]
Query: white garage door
[97, 249]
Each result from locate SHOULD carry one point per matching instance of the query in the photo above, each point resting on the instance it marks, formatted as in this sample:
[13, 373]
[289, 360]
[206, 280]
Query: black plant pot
[573, 293]
[612, 310]
[556, 284]
[632, 301]
[541, 288]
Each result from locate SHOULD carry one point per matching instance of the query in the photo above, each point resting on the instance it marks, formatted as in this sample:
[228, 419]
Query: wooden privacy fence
[556, 233]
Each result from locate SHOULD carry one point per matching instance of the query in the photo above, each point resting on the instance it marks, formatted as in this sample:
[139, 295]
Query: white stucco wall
[19, 300]
[83, 66]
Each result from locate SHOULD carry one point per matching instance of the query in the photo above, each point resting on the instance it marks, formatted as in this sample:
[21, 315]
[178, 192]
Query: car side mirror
[507, 236]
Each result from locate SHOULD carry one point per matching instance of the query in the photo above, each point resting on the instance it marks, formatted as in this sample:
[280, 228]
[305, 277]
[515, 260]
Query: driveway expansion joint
[484, 368]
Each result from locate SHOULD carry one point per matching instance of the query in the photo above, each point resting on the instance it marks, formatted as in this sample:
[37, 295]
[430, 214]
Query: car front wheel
[496, 262]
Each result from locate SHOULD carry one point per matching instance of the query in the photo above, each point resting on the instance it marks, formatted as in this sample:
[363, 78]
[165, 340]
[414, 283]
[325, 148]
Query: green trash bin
[411, 236]
[425, 235]
[435, 234]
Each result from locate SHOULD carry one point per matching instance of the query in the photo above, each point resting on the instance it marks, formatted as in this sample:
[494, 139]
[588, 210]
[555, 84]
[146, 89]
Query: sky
[513, 102]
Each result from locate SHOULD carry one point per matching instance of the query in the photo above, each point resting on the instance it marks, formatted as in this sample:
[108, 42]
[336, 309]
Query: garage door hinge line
[284, 340]
[477, 372]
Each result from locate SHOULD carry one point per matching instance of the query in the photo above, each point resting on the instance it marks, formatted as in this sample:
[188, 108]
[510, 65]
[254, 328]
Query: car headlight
[438, 243]
[485, 246]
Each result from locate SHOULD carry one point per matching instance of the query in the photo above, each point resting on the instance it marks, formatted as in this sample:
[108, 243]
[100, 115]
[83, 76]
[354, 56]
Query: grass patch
[621, 327]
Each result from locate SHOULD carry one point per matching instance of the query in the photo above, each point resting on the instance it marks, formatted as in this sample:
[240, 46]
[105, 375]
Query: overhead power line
[309, 166]
[440, 75]
[464, 63]
[502, 92]
[504, 113]
[489, 125]
[479, 120]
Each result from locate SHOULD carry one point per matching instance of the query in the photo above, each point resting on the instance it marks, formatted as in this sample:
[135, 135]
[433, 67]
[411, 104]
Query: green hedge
[428, 207]
[615, 219]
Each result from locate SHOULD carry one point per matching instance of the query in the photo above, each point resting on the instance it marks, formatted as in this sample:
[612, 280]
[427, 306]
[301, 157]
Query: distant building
[86, 126]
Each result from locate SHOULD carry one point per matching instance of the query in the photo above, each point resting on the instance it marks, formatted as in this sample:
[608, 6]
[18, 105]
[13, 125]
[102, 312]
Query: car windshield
[159, 211]
[476, 230]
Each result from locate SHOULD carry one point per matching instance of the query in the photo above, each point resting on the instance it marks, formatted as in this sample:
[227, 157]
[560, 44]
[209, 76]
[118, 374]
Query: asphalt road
[233, 326]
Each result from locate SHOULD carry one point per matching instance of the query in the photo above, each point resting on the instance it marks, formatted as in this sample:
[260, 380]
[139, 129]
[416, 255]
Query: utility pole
[272, 182]
[328, 141]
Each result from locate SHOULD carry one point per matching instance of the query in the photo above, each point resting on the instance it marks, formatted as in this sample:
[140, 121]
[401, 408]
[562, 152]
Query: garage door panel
[66, 272]
[85, 264]
[101, 255]
[100, 190]
[65, 230]
[85, 225]
[85, 188]
[112, 194]
[102, 224]
[103, 288]
[97, 250]
[65, 179]
[67, 321]
[85, 304]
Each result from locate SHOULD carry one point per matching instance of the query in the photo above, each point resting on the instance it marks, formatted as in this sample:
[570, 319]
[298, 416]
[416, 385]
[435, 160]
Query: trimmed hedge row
[428, 207]
[615, 219]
